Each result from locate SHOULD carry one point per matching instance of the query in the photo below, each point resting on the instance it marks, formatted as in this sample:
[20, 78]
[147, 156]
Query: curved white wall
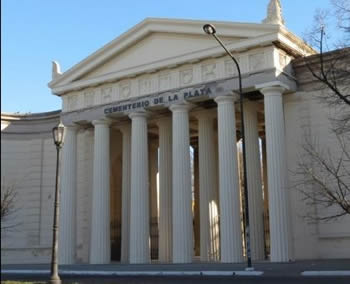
[28, 161]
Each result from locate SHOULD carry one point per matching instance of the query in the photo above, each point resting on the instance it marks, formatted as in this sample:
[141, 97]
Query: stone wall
[307, 118]
[28, 163]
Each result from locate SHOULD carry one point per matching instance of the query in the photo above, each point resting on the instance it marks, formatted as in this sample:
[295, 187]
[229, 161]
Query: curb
[326, 273]
[137, 273]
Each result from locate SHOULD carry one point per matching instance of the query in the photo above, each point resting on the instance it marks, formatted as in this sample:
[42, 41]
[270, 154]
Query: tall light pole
[57, 133]
[210, 30]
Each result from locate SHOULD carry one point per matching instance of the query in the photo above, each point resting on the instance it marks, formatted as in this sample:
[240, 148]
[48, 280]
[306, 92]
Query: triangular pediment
[155, 44]
[155, 48]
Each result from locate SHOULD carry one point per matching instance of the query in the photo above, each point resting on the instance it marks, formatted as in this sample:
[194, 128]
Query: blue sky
[35, 32]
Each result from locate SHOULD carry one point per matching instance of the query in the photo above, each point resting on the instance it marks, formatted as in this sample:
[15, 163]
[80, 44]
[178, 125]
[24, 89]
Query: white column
[165, 192]
[100, 242]
[182, 191]
[254, 180]
[277, 174]
[196, 217]
[126, 168]
[139, 215]
[214, 213]
[266, 190]
[230, 223]
[67, 236]
[153, 198]
[207, 183]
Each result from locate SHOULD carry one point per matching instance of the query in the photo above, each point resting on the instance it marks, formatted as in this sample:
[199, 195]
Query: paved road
[192, 280]
[281, 273]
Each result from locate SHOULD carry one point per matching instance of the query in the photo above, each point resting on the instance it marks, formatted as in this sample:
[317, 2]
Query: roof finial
[56, 70]
[274, 13]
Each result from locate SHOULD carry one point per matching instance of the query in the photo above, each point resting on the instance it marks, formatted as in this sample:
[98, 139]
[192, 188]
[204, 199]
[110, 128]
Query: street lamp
[57, 133]
[210, 30]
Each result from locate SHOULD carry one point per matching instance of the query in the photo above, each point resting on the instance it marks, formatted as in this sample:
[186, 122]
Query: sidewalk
[340, 267]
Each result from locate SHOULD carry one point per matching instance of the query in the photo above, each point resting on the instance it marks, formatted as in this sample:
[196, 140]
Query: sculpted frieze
[106, 94]
[186, 76]
[145, 86]
[125, 89]
[164, 81]
[230, 68]
[209, 72]
[256, 61]
[72, 101]
[282, 60]
[89, 97]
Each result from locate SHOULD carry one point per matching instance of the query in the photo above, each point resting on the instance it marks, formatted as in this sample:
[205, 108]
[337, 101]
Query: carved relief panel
[125, 89]
[164, 81]
[230, 67]
[145, 85]
[256, 61]
[89, 98]
[186, 77]
[106, 94]
[72, 101]
[209, 72]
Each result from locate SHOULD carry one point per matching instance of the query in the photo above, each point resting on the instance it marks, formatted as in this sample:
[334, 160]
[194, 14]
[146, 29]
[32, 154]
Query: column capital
[225, 99]
[106, 122]
[138, 114]
[180, 107]
[272, 88]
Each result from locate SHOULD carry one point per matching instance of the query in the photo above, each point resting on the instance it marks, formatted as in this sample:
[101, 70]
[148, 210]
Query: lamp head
[209, 29]
[57, 133]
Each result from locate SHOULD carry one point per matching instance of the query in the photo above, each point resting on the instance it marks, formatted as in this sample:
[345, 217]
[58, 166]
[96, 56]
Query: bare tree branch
[323, 173]
[8, 202]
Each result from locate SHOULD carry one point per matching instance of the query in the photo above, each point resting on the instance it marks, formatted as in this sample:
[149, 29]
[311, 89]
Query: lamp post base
[55, 280]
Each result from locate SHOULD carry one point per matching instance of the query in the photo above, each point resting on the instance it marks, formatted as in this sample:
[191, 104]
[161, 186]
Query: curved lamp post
[57, 133]
[210, 30]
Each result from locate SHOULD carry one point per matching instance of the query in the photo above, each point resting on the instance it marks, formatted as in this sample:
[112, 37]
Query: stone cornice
[6, 116]
[39, 123]
[293, 44]
[338, 54]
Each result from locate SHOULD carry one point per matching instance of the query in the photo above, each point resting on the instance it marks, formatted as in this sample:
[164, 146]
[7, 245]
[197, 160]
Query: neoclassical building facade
[151, 166]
